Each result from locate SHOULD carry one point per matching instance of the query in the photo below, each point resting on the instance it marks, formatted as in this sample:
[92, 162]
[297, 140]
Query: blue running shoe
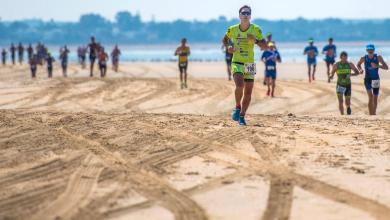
[242, 120]
[236, 114]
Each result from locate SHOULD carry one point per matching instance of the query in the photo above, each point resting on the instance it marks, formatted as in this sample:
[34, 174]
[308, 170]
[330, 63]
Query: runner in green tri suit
[243, 36]
[343, 68]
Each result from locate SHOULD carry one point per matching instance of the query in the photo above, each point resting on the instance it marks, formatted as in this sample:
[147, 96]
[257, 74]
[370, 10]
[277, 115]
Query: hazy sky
[166, 10]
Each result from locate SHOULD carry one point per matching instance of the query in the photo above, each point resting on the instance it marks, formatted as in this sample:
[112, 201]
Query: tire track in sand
[77, 193]
[146, 183]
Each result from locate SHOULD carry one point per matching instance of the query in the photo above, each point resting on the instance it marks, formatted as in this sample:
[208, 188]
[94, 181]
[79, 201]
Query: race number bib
[271, 68]
[341, 89]
[250, 68]
[183, 64]
[375, 84]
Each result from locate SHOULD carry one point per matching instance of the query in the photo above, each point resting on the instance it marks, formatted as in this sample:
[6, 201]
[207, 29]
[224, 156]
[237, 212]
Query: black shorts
[102, 65]
[183, 67]
[368, 85]
[92, 58]
[344, 90]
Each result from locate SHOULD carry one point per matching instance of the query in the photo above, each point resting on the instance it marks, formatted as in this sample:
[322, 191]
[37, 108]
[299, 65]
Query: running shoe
[349, 111]
[236, 114]
[185, 85]
[242, 120]
[182, 86]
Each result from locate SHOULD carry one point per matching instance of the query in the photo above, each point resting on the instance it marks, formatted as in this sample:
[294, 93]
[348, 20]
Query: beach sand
[135, 146]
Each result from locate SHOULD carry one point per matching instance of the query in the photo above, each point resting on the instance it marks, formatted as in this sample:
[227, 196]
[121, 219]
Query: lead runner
[244, 36]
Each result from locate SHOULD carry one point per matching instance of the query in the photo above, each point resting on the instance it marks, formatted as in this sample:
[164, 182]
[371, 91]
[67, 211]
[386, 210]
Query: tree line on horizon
[128, 28]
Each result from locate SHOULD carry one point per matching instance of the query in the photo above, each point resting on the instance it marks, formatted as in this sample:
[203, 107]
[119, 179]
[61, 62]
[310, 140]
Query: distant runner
[83, 56]
[12, 49]
[4, 57]
[103, 58]
[343, 68]
[244, 36]
[228, 59]
[270, 57]
[115, 58]
[49, 61]
[34, 61]
[372, 63]
[64, 57]
[30, 51]
[268, 40]
[311, 51]
[93, 50]
[183, 51]
[20, 53]
[330, 56]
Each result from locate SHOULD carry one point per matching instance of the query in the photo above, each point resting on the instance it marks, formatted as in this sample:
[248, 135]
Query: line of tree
[130, 29]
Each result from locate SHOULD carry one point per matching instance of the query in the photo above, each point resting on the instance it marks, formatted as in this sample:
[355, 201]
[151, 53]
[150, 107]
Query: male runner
[93, 50]
[4, 57]
[330, 56]
[103, 58]
[115, 58]
[268, 40]
[343, 68]
[244, 36]
[270, 57]
[49, 61]
[12, 50]
[83, 56]
[183, 51]
[64, 56]
[372, 63]
[34, 61]
[30, 51]
[311, 51]
[20, 53]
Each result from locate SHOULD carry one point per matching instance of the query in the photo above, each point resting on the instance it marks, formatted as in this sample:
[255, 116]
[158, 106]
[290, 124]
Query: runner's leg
[248, 88]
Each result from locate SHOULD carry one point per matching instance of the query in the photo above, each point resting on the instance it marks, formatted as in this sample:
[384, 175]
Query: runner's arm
[383, 63]
[262, 44]
[324, 50]
[177, 51]
[355, 70]
[279, 58]
[359, 65]
[189, 51]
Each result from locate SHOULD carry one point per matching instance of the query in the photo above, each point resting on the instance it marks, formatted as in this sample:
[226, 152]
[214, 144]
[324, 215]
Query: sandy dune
[135, 146]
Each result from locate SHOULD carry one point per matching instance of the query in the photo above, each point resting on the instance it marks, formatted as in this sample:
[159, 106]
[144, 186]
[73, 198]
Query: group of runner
[42, 56]
[343, 69]
[240, 40]
[15, 50]
[238, 46]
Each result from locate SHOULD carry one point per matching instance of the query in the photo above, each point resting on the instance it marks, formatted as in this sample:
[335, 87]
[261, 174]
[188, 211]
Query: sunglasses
[245, 13]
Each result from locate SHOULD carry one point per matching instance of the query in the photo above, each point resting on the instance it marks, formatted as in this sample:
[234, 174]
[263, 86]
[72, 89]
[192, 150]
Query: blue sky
[167, 10]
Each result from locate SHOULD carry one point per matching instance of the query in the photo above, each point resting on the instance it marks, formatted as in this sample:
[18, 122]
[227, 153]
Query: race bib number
[250, 68]
[375, 84]
[271, 68]
[341, 89]
[183, 64]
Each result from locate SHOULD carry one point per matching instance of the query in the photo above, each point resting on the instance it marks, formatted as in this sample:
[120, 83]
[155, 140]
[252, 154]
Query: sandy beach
[135, 146]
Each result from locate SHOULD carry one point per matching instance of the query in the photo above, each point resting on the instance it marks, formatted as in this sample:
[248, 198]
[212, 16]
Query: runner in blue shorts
[270, 57]
[330, 56]
[311, 51]
[372, 63]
